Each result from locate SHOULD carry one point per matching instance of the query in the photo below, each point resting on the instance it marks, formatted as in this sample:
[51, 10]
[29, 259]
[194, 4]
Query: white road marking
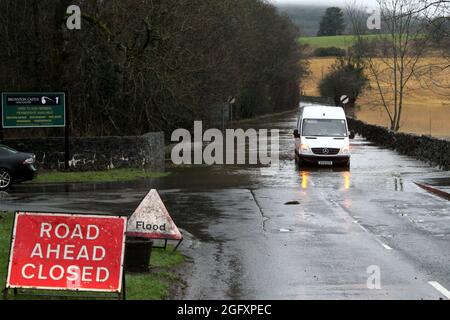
[347, 214]
[360, 225]
[385, 246]
[440, 288]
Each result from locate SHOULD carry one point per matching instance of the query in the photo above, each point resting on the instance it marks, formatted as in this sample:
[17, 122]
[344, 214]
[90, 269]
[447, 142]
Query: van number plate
[325, 163]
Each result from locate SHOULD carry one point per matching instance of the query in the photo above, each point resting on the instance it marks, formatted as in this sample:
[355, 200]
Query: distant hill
[307, 18]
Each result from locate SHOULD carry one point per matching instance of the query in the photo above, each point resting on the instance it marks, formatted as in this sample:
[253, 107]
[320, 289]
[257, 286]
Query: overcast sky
[369, 3]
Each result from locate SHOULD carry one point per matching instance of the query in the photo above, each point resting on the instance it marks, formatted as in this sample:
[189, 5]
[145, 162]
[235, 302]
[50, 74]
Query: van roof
[323, 112]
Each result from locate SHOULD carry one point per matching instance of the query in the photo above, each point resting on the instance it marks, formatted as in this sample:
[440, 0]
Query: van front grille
[326, 151]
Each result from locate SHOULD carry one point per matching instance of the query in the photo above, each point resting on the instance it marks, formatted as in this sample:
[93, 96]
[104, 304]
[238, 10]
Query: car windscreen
[324, 128]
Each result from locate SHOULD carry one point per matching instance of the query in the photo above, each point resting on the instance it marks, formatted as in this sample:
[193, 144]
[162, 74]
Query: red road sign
[67, 252]
[152, 220]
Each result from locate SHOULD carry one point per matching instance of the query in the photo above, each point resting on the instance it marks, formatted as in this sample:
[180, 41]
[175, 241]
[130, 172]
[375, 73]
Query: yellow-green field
[426, 108]
[343, 42]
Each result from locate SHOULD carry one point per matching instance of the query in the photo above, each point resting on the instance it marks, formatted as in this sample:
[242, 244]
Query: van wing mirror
[296, 134]
[352, 135]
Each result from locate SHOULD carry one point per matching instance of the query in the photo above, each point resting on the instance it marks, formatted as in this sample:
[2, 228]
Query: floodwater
[289, 233]
[426, 102]
[417, 119]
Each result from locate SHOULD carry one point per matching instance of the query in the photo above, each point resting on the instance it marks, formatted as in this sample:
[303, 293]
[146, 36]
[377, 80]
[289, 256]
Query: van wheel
[298, 160]
[5, 179]
[347, 165]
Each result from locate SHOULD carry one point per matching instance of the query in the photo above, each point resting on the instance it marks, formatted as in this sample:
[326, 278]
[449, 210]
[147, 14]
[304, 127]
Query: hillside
[307, 18]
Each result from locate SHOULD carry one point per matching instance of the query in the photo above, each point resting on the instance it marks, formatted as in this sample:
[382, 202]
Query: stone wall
[96, 153]
[428, 149]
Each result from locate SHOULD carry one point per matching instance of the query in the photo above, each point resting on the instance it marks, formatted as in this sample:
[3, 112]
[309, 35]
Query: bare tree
[144, 65]
[393, 57]
[435, 76]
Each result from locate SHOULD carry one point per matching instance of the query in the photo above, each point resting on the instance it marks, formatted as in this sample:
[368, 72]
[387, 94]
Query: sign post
[64, 252]
[67, 134]
[231, 102]
[344, 100]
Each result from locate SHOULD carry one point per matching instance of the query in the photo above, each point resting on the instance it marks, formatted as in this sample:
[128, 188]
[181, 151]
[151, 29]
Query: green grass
[6, 221]
[155, 285]
[161, 260]
[96, 176]
[332, 41]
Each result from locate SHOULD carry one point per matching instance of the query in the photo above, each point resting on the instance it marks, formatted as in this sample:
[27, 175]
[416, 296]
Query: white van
[322, 136]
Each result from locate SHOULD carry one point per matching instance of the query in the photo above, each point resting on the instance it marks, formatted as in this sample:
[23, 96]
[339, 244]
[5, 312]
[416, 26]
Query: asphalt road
[290, 234]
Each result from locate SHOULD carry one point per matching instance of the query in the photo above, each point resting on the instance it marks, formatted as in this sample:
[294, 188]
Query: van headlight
[345, 150]
[304, 148]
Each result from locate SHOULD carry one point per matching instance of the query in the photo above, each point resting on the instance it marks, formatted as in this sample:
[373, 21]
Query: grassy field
[426, 109]
[152, 286]
[333, 41]
[96, 176]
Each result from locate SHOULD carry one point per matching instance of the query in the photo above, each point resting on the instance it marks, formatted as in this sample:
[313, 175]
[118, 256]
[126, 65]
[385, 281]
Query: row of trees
[145, 65]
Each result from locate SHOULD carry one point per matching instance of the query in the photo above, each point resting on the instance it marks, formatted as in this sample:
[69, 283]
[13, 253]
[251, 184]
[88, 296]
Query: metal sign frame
[121, 292]
[165, 243]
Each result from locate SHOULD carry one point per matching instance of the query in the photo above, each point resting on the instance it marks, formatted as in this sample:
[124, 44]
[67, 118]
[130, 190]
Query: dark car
[15, 166]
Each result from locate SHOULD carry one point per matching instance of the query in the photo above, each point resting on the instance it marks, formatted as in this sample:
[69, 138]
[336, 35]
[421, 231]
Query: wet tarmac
[290, 234]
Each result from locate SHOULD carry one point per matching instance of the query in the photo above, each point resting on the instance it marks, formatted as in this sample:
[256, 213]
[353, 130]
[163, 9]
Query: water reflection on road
[288, 233]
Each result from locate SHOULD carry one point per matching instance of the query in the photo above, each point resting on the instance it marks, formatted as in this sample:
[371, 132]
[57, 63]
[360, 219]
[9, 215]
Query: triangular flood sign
[152, 220]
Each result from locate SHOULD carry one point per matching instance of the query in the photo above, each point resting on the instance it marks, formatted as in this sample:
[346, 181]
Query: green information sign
[33, 110]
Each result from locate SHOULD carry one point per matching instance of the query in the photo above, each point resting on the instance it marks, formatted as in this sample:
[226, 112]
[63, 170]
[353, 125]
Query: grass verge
[155, 285]
[96, 176]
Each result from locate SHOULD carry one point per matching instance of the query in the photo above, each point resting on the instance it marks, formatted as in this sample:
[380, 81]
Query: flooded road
[290, 234]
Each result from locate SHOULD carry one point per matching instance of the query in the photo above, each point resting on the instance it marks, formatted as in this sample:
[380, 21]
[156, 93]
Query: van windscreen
[324, 128]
